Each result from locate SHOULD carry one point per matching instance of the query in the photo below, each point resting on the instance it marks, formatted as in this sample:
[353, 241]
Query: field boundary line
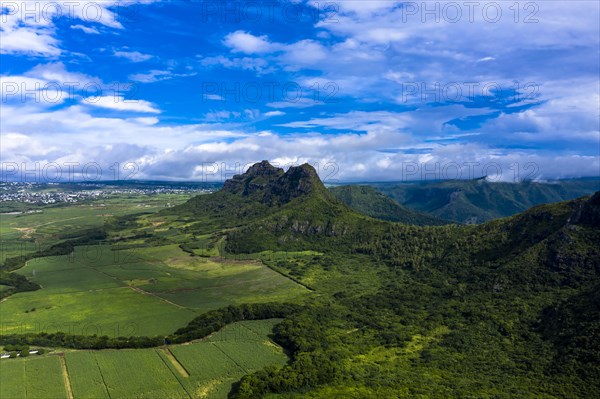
[141, 291]
[65, 374]
[174, 375]
[173, 359]
[284, 274]
[252, 331]
[230, 358]
[101, 375]
[25, 378]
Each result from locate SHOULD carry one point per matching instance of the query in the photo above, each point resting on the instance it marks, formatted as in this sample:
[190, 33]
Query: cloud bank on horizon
[377, 90]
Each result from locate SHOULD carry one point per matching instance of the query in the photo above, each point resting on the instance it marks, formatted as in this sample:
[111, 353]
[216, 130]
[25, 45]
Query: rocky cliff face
[273, 186]
[256, 179]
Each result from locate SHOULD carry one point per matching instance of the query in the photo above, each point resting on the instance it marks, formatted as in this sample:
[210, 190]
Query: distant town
[55, 193]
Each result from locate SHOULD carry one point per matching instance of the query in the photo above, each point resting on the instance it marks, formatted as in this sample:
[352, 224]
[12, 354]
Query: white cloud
[151, 77]
[45, 85]
[258, 65]
[422, 122]
[303, 53]
[221, 115]
[37, 41]
[29, 28]
[57, 72]
[383, 35]
[156, 75]
[274, 113]
[294, 56]
[20, 144]
[48, 136]
[149, 121]
[134, 56]
[213, 97]
[121, 104]
[570, 118]
[244, 42]
[369, 53]
[86, 29]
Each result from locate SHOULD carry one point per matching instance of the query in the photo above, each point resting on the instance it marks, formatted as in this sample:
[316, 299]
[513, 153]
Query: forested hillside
[448, 311]
[479, 200]
[370, 202]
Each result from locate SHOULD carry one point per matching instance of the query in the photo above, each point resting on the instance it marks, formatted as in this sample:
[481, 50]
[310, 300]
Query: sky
[362, 90]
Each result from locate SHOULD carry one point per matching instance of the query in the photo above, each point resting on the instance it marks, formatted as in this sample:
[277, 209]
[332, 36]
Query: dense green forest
[506, 309]
[480, 200]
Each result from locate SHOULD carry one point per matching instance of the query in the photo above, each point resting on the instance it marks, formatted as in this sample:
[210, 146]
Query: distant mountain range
[461, 201]
[370, 202]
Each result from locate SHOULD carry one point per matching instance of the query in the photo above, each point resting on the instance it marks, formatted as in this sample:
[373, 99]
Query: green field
[130, 287]
[217, 362]
[32, 378]
[203, 369]
[29, 232]
[146, 291]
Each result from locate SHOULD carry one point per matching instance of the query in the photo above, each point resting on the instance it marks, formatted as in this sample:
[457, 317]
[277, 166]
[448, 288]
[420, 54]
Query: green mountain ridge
[370, 202]
[484, 282]
[478, 200]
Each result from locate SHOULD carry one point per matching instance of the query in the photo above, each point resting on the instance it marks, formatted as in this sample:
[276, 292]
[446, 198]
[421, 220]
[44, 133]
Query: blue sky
[362, 90]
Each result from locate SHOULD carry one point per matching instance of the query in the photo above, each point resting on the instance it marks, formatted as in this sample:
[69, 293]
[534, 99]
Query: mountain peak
[271, 185]
[255, 179]
[262, 168]
[296, 182]
[303, 174]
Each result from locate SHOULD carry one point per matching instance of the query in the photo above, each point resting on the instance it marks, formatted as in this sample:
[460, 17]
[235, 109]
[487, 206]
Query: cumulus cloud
[244, 42]
[380, 147]
[45, 85]
[337, 158]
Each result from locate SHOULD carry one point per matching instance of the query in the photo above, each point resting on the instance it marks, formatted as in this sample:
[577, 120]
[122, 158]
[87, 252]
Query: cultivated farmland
[34, 378]
[202, 369]
[105, 290]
